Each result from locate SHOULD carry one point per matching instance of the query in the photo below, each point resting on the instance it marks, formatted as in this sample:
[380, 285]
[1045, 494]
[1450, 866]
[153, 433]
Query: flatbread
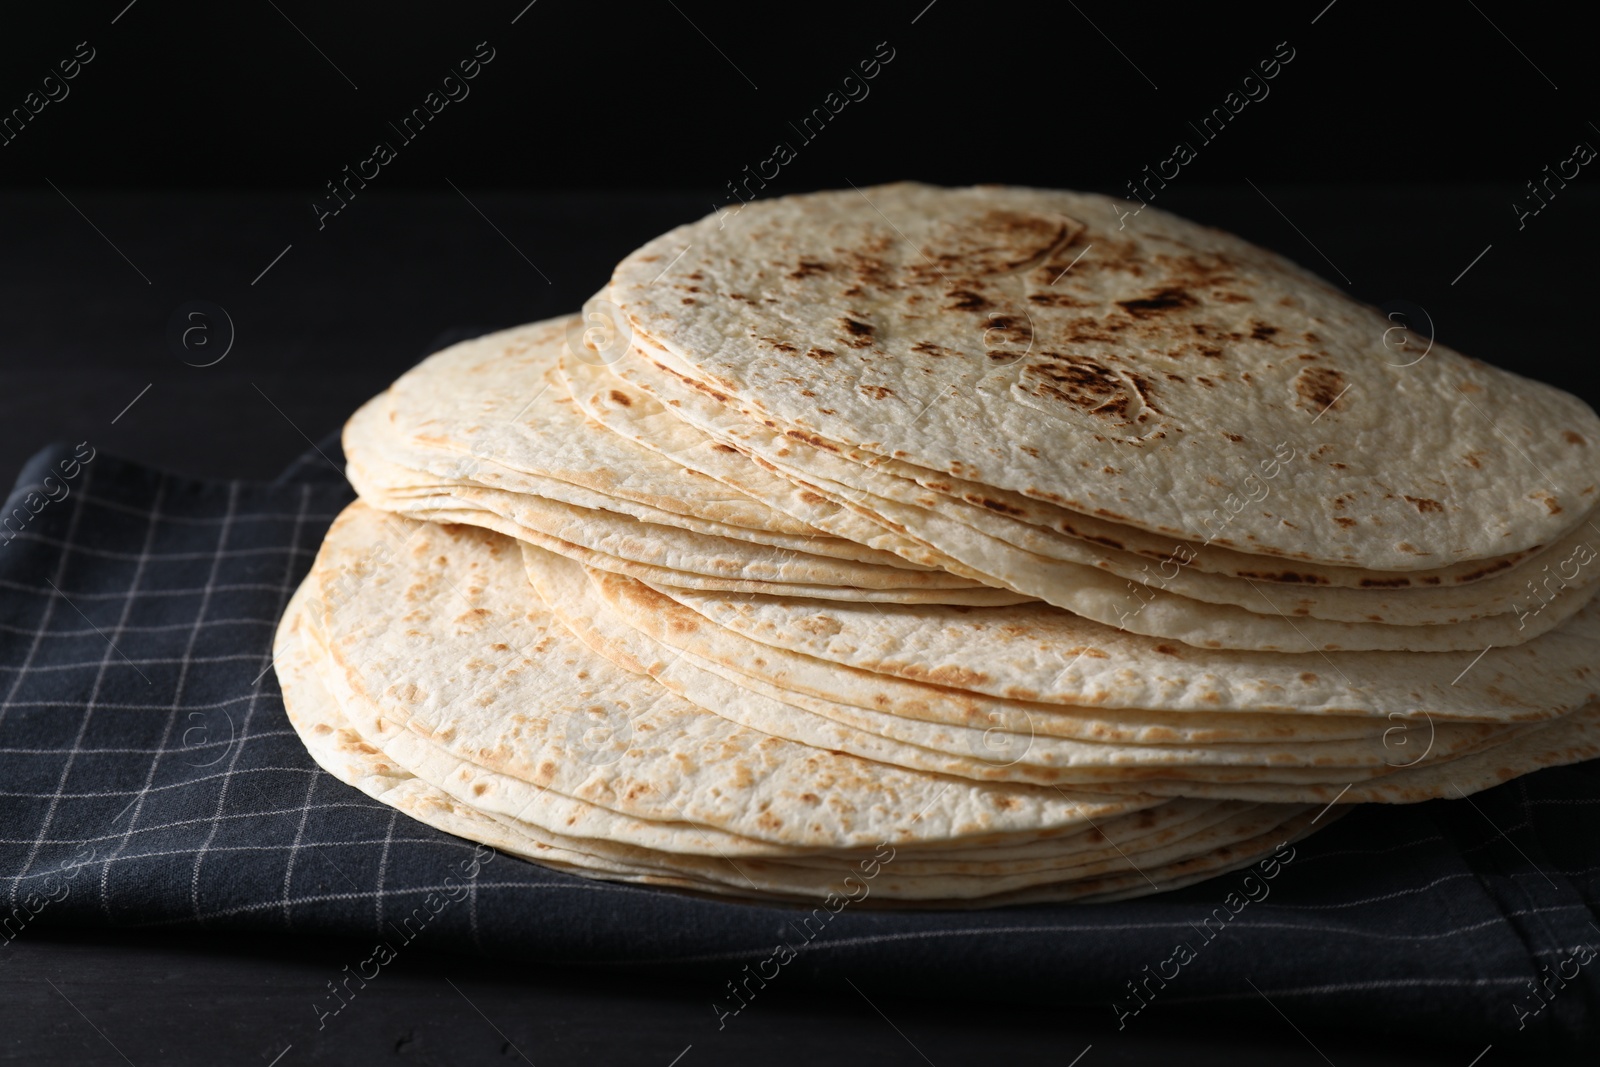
[1040, 655]
[848, 314]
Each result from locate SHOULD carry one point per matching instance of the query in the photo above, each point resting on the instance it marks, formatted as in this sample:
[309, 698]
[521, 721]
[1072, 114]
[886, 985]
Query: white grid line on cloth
[6, 751]
[156, 628]
[170, 785]
[94, 691]
[581, 885]
[150, 661]
[50, 602]
[255, 693]
[294, 851]
[168, 557]
[194, 520]
[365, 804]
[213, 706]
[383, 866]
[177, 700]
[237, 587]
[255, 849]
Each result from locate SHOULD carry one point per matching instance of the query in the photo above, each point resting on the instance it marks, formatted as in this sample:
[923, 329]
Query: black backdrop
[685, 93]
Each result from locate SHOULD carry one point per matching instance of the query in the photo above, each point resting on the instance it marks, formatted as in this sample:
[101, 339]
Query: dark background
[184, 163]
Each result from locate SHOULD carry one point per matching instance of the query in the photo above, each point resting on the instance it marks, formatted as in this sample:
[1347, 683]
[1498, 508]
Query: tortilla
[1114, 384]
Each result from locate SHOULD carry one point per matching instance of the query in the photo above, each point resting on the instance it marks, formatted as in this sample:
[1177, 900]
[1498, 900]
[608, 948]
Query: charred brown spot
[808, 267]
[1498, 565]
[724, 448]
[1319, 386]
[860, 333]
[1342, 521]
[1423, 504]
[928, 348]
[877, 392]
[1572, 438]
[811, 439]
[1157, 303]
[966, 300]
[1082, 383]
[1291, 577]
[1058, 300]
[1166, 650]
[821, 355]
[1262, 332]
[1232, 436]
[621, 398]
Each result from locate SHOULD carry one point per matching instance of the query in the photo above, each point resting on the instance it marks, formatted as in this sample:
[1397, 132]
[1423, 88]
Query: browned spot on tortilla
[821, 355]
[1232, 436]
[1158, 303]
[1058, 300]
[621, 398]
[877, 392]
[860, 333]
[1085, 384]
[1489, 568]
[688, 300]
[809, 267]
[928, 348]
[1262, 332]
[479, 789]
[1423, 504]
[1286, 577]
[966, 300]
[1319, 386]
[812, 439]
[1342, 521]
[1166, 650]
[1307, 677]
[1573, 438]
[720, 447]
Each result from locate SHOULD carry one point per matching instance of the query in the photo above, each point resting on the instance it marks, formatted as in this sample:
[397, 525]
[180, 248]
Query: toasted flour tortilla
[1181, 839]
[934, 661]
[1169, 357]
[491, 402]
[643, 631]
[463, 655]
[638, 416]
[1218, 612]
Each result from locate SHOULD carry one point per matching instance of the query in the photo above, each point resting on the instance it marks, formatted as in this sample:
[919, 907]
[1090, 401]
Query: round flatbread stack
[969, 546]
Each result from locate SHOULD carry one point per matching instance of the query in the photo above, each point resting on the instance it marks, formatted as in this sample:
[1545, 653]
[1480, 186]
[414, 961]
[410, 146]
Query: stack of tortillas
[982, 545]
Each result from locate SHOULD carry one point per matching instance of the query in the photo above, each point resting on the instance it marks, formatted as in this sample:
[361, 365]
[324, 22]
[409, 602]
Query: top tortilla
[1147, 384]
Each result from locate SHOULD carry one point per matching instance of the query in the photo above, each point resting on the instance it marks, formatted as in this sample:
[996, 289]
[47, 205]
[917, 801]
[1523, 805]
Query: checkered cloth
[149, 777]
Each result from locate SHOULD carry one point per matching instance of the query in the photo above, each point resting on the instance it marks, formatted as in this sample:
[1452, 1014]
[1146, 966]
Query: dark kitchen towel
[148, 777]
